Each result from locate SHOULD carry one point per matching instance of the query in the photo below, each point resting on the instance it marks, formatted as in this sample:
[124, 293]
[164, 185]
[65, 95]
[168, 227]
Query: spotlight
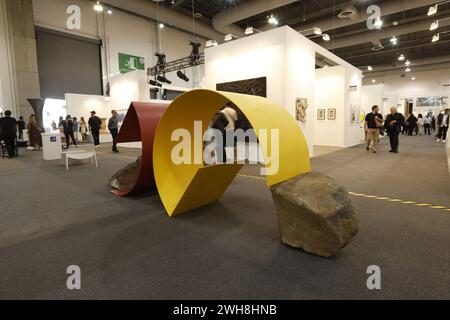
[154, 83]
[432, 10]
[109, 12]
[161, 25]
[326, 37]
[228, 37]
[317, 31]
[369, 68]
[434, 25]
[413, 78]
[394, 40]
[378, 23]
[98, 7]
[407, 63]
[163, 79]
[373, 80]
[182, 76]
[273, 20]
[249, 30]
[209, 43]
[401, 57]
[435, 38]
[408, 69]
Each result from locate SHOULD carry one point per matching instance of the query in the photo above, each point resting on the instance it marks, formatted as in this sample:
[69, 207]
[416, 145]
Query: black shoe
[116, 151]
[374, 151]
[368, 148]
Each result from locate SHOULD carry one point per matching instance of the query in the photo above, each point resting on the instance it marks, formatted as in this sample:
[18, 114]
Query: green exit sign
[129, 63]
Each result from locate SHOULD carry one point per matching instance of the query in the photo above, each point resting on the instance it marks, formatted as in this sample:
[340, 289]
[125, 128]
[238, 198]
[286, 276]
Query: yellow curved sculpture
[185, 187]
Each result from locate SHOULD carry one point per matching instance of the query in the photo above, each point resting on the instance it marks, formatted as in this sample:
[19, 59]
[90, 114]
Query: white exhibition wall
[81, 105]
[281, 55]
[121, 33]
[287, 59]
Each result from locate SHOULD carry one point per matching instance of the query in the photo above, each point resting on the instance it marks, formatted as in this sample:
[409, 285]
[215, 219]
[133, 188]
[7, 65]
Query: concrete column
[22, 56]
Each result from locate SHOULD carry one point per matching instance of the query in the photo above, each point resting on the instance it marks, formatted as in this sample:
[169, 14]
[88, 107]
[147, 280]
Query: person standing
[113, 127]
[83, 129]
[54, 128]
[412, 123]
[34, 132]
[393, 125]
[21, 124]
[8, 132]
[427, 125]
[69, 132]
[420, 124]
[443, 122]
[76, 129]
[372, 125]
[95, 124]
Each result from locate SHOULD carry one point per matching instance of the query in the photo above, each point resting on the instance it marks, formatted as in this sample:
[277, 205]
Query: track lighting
[401, 57]
[378, 23]
[211, 43]
[326, 37]
[249, 30]
[317, 31]
[228, 37]
[407, 63]
[182, 76]
[435, 38]
[163, 79]
[408, 70]
[273, 20]
[369, 68]
[98, 7]
[433, 9]
[394, 40]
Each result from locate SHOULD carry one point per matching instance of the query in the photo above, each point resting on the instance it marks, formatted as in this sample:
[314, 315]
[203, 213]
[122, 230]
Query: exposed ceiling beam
[416, 67]
[388, 8]
[422, 68]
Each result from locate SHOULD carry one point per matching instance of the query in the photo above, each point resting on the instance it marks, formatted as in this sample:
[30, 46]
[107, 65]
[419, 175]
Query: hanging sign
[129, 63]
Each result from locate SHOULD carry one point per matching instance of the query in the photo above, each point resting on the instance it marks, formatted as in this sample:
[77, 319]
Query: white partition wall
[281, 55]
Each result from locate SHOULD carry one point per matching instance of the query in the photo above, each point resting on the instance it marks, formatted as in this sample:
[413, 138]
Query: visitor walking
[68, 133]
[76, 129]
[34, 133]
[373, 123]
[393, 124]
[21, 125]
[113, 127]
[83, 129]
[412, 123]
[443, 124]
[427, 125]
[8, 133]
[95, 124]
[54, 126]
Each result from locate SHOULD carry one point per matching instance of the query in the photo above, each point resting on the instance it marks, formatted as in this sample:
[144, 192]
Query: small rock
[126, 177]
[315, 214]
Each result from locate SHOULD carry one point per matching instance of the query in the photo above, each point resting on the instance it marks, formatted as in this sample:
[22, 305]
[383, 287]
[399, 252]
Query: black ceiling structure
[415, 44]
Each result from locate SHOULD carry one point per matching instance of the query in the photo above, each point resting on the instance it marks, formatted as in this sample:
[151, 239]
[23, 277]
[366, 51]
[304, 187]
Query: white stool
[79, 155]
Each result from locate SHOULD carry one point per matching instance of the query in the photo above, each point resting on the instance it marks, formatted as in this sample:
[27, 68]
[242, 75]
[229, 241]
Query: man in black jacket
[443, 122]
[8, 133]
[393, 125]
[94, 125]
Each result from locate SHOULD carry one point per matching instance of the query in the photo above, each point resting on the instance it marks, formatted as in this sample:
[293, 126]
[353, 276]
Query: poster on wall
[321, 114]
[332, 114]
[301, 104]
[129, 63]
[254, 87]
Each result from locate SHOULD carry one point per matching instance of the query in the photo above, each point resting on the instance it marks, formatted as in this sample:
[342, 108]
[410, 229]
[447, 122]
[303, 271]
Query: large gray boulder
[126, 177]
[315, 214]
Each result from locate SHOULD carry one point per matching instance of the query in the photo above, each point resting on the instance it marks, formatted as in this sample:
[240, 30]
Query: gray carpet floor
[128, 248]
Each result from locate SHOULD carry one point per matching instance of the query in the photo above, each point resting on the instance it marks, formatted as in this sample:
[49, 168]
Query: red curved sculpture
[140, 124]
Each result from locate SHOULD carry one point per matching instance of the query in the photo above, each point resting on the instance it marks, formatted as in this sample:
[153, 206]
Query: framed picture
[301, 104]
[320, 114]
[332, 114]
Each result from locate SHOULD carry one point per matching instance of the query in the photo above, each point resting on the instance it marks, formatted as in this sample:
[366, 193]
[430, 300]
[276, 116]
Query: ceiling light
[228, 37]
[408, 70]
[434, 25]
[273, 20]
[326, 37]
[378, 23]
[373, 80]
[109, 12]
[209, 43]
[435, 38]
[407, 63]
[413, 78]
[401, 57]
[215, 43]
[432, 10]
[317, 31]
[394, 40]
[98, 7]
[249, 30]
[161, 25]
[369, 68]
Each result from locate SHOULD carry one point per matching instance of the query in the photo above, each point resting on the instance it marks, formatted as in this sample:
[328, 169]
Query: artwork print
[332, 114]
[321, 114]
[301, 104]
[254, 87]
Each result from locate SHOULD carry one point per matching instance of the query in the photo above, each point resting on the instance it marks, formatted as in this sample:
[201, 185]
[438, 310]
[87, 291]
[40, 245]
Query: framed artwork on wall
[332, 114]
[301, 104]
[254, 87]
[320, 114]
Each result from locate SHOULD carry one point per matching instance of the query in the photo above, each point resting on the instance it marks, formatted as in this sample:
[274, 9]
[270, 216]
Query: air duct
[223, 21]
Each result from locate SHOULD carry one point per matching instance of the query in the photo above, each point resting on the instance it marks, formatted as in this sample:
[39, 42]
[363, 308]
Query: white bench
[80, 155]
